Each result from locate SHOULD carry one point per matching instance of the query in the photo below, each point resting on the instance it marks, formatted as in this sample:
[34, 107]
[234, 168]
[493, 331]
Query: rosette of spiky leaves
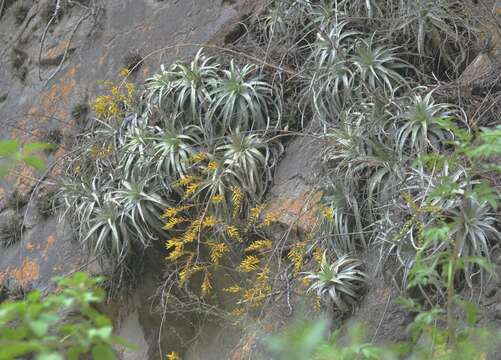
[475, 227]
[340, 282]
[436, 29]
[106, 233]
[285, 21]
[377, 66]
[417, 128]
[337, 225]
[183, 88]
[333, 44]
[95, 217]
[136, 150]
[245, 157]
[80, 198]
[140, 204]
[172, 150]
[329, 89]
[242, 99]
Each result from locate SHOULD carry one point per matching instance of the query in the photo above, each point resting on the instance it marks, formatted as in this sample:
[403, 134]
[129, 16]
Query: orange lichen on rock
[29, 272]
[50, 241]
[300, 211]
[58, 51]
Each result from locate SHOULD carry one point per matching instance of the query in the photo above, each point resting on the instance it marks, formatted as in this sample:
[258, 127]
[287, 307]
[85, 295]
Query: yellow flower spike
[317, 254]
[190, 235]
[176, 253]
[236, 199]
[267, 221]
[249, 264]
[192, 188]
[173, 242]
[233, 289]
[216, 199]
[212, 166]
[173, 356]
[328, 213]
[173, 221]
[185, 274]
[237, 312]
[209, 221]
[206, 286]
[170, 212]
[255, 212]
[217, 250]
[296, 257]
[199, 157]
[186, 180]
[124, 72]
[233, 232]
[259, 245]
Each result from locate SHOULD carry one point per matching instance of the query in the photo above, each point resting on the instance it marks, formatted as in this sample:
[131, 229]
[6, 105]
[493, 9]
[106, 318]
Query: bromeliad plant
[417, 127]
[183, 88]
[340, 283]
[436, 29]
[241, 100]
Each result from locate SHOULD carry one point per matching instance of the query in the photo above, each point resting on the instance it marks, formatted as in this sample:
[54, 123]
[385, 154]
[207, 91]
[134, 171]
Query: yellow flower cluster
[212, 166]
[177, 249]
[255, 212]
[210, 221]
[173, 221]
[233, 232]
[328, 213]
[111, 105]
[218, 198]
[173, 356]
[206, 286]
[191, 189]
[185, 274]
[296, 257]
[259, 245]
[236, 199]
[170, 212]
[235, 289]
[217, 250]
[199, 157]
[100, 152]
[267, 221]
[249, 264]
[256, 295]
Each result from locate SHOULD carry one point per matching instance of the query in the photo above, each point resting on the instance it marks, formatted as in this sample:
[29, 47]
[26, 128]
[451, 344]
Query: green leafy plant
[12, 152]
[61, 325]
[340, 283]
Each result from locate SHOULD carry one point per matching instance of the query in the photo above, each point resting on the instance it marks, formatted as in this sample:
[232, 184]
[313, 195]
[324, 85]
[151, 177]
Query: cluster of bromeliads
[188, 160]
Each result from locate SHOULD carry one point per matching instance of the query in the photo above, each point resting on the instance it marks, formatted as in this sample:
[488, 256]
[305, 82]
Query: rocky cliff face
[46, 72]
[50, 65]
